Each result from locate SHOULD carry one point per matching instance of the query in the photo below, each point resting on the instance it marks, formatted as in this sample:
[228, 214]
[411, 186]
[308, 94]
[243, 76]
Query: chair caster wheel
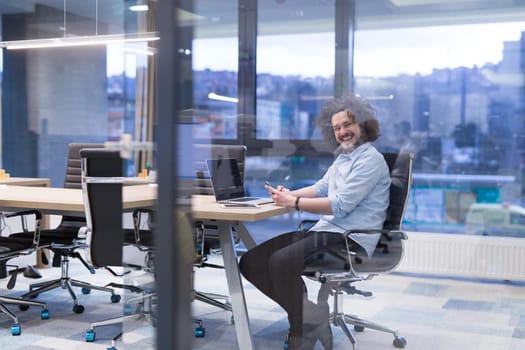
[115, 298]
[128, 310]
[44, 314]
[286, 344]
[15, 329]
[90, 336]
[200, 332]
[23, 307]
[399, 342]
[86, 290]
[359, 328]
[78, 309]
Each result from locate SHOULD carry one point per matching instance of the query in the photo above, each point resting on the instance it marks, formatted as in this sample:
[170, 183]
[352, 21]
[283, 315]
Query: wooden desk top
[60, 201]
[26, 181]
[54, 200]
[205, 207]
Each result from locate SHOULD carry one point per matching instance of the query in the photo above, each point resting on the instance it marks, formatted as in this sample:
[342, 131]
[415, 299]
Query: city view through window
[451, 95]
[455, 101]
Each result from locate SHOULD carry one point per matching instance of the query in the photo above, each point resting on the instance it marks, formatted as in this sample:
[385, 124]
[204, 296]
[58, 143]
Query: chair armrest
[23, 217]
[137, 217]
[35, 212]
[139, 211]
[387, 233]
[305, 225]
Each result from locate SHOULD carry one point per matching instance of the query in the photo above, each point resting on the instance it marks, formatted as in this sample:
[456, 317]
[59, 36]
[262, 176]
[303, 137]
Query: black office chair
[66, 239]
[12, 248]
[206, 231]
[102, 190]
[338, 269]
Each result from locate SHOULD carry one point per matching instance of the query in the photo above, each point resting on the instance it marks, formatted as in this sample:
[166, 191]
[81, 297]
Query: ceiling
[107, 9]
[280, 14]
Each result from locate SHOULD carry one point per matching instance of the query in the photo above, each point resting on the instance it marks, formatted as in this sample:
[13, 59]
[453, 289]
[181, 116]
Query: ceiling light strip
[79, 41]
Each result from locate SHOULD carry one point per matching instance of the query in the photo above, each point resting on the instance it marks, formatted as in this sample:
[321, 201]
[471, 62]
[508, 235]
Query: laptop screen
[225, 178]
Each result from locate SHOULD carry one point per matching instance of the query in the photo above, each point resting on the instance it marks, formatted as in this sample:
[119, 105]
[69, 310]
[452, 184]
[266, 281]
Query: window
[451, 94]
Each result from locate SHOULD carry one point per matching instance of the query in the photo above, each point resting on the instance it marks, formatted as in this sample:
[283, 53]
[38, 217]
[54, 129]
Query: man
[353, 193]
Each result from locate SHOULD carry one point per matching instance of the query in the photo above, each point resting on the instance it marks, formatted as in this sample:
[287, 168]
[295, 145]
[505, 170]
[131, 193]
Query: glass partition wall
[85, 75]
[446, 79]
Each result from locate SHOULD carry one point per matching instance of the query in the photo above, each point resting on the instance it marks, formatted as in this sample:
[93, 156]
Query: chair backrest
[103, 205]
[73, 171]
[400, 166]
[201, 152]
[389, 250]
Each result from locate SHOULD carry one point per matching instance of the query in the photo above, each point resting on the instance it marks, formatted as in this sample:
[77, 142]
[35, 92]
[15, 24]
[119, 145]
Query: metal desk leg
[240, 313]
[244, 235]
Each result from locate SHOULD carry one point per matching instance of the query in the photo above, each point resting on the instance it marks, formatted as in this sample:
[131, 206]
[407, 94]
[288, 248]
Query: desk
[70, 201]
[205, 207]
[66, 201]
[26, 181]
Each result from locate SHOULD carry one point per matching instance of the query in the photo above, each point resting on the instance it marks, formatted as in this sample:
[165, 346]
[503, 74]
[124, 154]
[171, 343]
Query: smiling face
[346, 131]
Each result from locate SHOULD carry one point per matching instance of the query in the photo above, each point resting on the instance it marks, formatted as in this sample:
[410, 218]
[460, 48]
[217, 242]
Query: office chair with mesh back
[12, 248]
[337, 270]
[65, 240]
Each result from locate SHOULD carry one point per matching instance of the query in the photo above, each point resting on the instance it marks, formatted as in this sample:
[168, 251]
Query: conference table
[26, 181]
[62, 201]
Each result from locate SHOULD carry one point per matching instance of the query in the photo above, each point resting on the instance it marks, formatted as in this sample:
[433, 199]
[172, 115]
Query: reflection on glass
[452, 95]
[215, 88]
[292, 82]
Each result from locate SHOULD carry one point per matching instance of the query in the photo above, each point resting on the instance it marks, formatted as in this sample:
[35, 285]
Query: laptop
[228, 186]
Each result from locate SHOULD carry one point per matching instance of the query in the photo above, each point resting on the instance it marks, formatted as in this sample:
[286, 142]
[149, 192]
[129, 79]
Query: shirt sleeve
[321, 186]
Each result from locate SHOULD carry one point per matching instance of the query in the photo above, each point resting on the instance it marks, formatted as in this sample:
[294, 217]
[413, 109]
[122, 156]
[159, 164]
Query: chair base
[146, 312]
[68, 283]
[65, 282]
[212, 299]
[23, 304]
[342, 320]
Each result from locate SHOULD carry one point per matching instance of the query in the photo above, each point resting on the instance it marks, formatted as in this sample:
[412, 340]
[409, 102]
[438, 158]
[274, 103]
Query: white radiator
[464, 255]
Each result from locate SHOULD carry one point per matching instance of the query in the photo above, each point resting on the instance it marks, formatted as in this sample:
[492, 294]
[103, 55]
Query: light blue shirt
[358, 186]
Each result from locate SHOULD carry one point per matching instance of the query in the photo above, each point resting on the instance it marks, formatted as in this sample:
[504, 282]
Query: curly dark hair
[359, 110]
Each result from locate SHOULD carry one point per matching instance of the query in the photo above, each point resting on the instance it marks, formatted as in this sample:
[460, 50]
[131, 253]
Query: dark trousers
[275, 268]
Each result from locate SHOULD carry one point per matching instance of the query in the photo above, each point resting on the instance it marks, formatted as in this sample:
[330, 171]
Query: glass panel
[293, 78]
[54, 96]
[295, 75]
[215, 89]
[214, 65]
[452, 95]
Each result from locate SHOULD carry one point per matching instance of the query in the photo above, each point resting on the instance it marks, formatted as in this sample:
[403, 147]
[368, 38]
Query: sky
[378, 52]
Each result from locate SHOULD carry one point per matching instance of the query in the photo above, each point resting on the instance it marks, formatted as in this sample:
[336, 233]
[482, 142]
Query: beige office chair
[339, 269]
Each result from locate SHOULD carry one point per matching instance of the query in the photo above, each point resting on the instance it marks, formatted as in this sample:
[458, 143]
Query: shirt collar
[357, 151]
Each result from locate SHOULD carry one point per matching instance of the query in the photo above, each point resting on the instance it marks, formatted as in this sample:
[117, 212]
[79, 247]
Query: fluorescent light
[138, 8]
[148, 51]
[214, 96]
[79, 41]
[420, 2]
